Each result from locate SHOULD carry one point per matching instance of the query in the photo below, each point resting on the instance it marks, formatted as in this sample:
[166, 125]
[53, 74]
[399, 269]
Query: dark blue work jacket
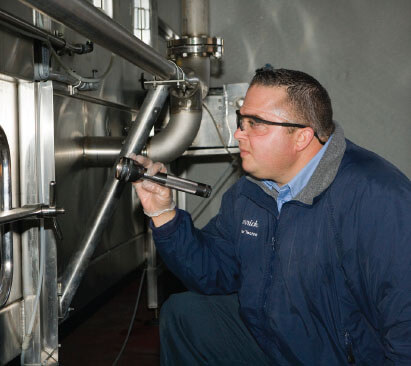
[326, 283]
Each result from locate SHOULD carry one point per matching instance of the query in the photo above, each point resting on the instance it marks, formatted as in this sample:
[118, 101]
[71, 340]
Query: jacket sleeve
[385, 249]
[204, 260]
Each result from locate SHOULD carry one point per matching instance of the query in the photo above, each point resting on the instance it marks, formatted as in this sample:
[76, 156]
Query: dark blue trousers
[206, 330]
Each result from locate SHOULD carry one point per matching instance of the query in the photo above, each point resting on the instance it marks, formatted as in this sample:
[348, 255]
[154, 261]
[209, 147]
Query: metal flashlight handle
[128, 170]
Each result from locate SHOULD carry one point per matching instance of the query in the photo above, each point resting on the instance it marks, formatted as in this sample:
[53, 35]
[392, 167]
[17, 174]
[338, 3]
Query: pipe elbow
[181, 130]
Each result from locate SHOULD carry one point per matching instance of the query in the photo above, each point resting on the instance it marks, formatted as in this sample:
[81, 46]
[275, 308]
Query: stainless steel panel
[78, 187]
[16, 56]
[16, 7]
[36, 137]
[10, 316]
[6, 244]
[46, 174]
[9, 123]
[16, 53]
[220, 105]
[29, 194]
[10, 332]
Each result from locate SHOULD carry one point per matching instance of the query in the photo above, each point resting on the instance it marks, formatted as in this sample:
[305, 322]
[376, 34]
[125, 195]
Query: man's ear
[303, 137]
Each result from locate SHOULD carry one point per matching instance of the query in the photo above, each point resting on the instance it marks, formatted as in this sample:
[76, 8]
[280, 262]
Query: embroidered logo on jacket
[249, 224]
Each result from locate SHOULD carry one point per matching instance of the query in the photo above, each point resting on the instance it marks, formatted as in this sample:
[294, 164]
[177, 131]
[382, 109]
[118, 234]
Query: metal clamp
[74, 88]
[181, 82]
[199, 46]
[156, 82]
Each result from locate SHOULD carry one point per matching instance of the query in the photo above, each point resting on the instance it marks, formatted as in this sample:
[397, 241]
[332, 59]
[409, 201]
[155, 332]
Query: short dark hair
[308, 97]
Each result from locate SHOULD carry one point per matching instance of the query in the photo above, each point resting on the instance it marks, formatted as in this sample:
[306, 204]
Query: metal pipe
[195, 17]
[6, 266]
[109, 197]
[165, 31]
[28, 211]
[92, 23]
[173, 140]
[165, 146]
[20, 26]
[179, 134]
[101, 151]
[16, 214]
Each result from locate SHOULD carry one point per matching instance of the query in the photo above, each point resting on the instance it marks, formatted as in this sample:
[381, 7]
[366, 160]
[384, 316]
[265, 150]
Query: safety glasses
[255, 126]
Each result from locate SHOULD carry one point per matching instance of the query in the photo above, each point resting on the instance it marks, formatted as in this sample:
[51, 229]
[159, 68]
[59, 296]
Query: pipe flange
[199, 46]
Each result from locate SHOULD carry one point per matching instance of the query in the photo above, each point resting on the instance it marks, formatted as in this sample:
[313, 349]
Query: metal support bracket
[181, 82]
[38, 211]
[41, 61]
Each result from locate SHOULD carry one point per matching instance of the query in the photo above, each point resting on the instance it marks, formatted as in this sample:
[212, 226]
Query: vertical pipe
[6, 265]
[195, 17]
[109, 197]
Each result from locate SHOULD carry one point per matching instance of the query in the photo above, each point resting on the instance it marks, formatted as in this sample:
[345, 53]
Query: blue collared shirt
[288, 191]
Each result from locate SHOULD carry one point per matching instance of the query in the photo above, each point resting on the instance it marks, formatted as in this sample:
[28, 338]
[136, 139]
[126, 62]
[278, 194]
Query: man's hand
[153, 197]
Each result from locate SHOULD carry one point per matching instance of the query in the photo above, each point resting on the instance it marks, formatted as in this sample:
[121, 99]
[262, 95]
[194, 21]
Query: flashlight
[129, 170]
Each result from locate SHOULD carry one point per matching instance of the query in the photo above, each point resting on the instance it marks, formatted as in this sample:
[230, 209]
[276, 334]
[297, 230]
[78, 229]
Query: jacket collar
[323, 175]
[262, 197]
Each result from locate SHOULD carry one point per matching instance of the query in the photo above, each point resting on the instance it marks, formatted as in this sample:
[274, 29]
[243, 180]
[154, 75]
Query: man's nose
[238, 134]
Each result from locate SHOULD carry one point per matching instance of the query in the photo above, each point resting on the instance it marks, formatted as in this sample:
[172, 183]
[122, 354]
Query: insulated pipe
[109, 197]
[92, 23]
[6, 266]
[195, 17]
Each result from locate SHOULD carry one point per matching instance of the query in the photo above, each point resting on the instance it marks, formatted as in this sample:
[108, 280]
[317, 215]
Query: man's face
[272, 155]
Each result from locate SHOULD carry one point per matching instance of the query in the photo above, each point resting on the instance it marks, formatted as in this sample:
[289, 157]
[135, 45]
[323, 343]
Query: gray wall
[358, 49]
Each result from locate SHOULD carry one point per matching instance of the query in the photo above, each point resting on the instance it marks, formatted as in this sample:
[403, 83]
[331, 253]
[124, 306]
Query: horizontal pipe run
[101, 156]
[17, 214]
[27, 212]
[24, 28]
[92, 23]
[101, 151]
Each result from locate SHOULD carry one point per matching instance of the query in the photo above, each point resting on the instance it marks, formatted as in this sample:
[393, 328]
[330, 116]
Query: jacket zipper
[269, 276]
[348, 347]
[269, 273]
